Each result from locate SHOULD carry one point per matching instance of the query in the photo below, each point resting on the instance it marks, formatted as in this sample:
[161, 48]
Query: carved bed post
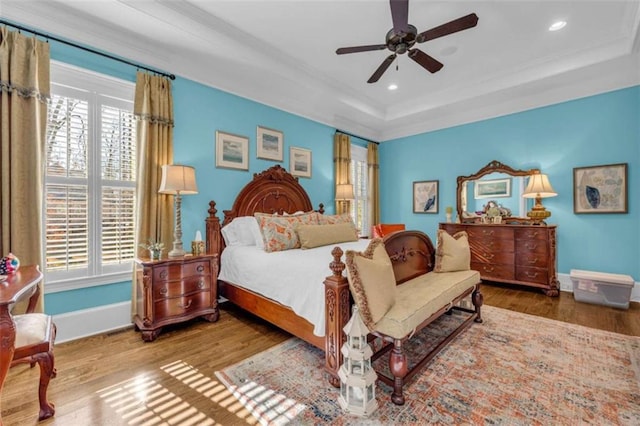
[337, 313]
[212, 228]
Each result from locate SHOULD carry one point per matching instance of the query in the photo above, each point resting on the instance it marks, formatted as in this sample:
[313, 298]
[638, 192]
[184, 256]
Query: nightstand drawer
[178, 306]
[178, 288]
[176, 272]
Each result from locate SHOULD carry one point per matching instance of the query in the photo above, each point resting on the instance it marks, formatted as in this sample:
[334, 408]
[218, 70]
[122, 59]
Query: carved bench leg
[399, 367]
[47, 371]
[477, 299]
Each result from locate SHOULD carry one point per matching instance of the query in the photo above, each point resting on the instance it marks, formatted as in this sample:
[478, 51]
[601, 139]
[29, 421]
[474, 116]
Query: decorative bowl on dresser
[170, 291]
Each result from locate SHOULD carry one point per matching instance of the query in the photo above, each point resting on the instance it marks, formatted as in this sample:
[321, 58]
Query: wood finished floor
[101, 379]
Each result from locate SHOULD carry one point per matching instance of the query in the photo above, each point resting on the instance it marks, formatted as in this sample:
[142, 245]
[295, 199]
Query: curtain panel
[153, 107]
[24, 95]
[373, 165]
[342, 166]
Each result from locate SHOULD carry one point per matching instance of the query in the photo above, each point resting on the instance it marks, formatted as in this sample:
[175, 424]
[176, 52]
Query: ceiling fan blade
[451, 27]
[400, 15]
[427, 62]
[356, 49]
[381, 69]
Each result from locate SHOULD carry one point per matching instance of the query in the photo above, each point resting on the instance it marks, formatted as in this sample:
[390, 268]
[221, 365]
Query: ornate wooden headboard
[272, 191]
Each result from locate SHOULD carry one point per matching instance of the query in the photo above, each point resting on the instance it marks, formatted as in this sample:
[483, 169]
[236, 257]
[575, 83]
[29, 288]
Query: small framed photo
[270, 144]
[300, 162]
[232, 151]
[425, 196]
[494, 188]
[600, 189]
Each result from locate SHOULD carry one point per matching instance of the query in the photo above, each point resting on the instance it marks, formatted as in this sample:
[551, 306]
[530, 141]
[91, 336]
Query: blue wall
[597, 130]
[602, 129]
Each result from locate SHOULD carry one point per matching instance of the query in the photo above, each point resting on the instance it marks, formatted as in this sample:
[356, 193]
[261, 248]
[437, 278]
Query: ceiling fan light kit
[403, 36]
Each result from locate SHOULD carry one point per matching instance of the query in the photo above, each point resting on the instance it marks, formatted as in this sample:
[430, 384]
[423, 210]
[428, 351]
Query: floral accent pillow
[335, 218]
[279, 232]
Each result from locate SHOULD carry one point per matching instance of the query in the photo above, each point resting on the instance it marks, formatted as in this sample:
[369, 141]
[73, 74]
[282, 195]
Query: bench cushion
[419, 298]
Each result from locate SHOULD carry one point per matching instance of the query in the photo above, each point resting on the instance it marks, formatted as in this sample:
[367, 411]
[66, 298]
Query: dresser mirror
[492, 193]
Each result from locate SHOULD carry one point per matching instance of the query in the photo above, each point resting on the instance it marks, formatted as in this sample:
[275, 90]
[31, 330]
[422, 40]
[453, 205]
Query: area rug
[513, 369]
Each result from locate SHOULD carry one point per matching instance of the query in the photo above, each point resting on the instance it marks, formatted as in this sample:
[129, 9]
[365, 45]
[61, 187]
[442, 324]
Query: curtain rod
[86, 49]
[356, 136]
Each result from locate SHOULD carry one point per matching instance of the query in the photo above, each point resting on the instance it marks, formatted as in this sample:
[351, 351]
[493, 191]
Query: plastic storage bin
[602, 288]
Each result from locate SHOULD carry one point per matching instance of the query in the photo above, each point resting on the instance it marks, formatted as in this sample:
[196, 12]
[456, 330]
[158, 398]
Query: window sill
[85, 282]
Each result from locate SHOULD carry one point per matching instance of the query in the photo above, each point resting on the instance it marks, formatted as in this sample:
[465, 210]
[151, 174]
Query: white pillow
[242, 231]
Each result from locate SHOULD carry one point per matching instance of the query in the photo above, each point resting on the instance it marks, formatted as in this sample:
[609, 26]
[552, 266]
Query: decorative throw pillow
[311, 236]
[371, 281]
[278, 232]
[335, 218]
[452, 252]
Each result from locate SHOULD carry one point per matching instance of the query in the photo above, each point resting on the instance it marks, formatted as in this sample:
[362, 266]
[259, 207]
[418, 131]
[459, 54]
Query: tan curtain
[24, 93]
[153, 106]
[342, 165]
[374, 183]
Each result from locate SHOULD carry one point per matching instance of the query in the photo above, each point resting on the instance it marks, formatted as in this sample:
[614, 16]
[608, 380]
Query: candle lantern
[357, 377]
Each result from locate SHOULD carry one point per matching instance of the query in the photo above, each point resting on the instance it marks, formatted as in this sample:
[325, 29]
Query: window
[360, 180]
[90, 179]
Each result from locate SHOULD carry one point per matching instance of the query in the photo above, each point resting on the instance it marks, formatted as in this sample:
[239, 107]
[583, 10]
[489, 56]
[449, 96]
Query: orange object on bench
[382, 229]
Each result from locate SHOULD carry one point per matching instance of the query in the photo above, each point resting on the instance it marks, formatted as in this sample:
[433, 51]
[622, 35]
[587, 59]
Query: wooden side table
[18, 285]
[170, 291]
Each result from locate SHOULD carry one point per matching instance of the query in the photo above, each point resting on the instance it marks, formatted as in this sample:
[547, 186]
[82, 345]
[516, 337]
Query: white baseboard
[88, 322]
[567, 285]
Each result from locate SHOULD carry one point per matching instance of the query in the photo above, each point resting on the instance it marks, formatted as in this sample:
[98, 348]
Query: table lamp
[539, 188]
[178, 180]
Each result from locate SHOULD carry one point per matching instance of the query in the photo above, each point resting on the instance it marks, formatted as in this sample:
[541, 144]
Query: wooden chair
[35, 335]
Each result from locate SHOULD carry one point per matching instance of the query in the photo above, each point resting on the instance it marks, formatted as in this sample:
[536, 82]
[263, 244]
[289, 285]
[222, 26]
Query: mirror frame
[493, 166]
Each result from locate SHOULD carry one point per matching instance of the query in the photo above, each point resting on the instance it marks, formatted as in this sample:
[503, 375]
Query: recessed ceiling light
[392, 86]
[558, 25]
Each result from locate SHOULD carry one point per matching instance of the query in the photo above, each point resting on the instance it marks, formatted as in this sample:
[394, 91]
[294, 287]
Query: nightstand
[170, 291]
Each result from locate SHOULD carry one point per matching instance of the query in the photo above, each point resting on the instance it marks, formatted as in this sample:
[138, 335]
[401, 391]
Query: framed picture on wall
[300, 162]
[425, 196]
[494, 188]
[600, 189]
[232, 151]
[270, 144]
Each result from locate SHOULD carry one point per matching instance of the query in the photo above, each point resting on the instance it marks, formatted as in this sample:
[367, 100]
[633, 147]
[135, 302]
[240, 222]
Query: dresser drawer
[536, 233]
[188, 285]
[178, 306]
[490, 271]
[535, 275]
[492, 256]
[176, 272]
[488, 245]
[531, 247]
[532, 259]
[489, 232]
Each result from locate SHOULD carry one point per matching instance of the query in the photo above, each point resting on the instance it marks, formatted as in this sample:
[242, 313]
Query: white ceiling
[282, 53]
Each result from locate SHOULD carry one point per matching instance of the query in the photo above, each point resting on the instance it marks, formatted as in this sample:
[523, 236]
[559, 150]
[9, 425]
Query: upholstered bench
[400, 286]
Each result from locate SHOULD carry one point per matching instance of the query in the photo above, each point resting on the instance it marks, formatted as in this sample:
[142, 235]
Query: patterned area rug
[514, 369]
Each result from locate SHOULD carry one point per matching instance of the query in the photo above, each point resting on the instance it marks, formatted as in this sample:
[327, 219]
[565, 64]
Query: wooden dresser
[517, 254]
[169, 291]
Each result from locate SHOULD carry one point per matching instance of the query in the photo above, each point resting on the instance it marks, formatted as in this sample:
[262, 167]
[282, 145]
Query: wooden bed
[276, 191]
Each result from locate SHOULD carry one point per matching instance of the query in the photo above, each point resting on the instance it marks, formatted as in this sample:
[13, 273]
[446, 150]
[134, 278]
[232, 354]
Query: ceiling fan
[403, 36]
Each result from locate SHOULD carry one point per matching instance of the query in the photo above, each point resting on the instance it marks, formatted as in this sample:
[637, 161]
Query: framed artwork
[425, 196]
[300, 162]
[232, 151]
[493, 188]
[269, 144]
[600, 189]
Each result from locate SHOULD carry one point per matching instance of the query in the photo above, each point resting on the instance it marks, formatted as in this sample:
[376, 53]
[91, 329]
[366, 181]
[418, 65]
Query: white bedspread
[295, 278]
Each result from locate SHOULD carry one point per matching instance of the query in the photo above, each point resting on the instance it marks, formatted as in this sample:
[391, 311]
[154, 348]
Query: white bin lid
[602, 276]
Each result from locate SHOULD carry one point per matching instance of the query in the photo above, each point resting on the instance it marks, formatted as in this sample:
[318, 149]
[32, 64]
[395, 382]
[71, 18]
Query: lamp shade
[344, 191]
[177, 179]
[539, 186]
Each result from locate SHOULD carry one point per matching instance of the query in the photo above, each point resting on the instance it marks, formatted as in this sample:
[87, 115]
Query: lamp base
[177, 250]
[538, 213]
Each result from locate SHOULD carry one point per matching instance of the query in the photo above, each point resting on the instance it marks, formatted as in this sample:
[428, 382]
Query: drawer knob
[163, 290]
[201, 283]
[533, 261]
[530, 246]
[489, 256]
[185, 305]
[163, 274]
[532, 234]
[488, 231]
[200, 268]
[531, 275]
[488, 268]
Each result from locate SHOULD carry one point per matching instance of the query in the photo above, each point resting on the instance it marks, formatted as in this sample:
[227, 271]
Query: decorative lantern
[357, 377]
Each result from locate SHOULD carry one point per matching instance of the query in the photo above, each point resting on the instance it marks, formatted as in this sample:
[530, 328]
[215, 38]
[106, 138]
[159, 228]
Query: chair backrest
[382, 229]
